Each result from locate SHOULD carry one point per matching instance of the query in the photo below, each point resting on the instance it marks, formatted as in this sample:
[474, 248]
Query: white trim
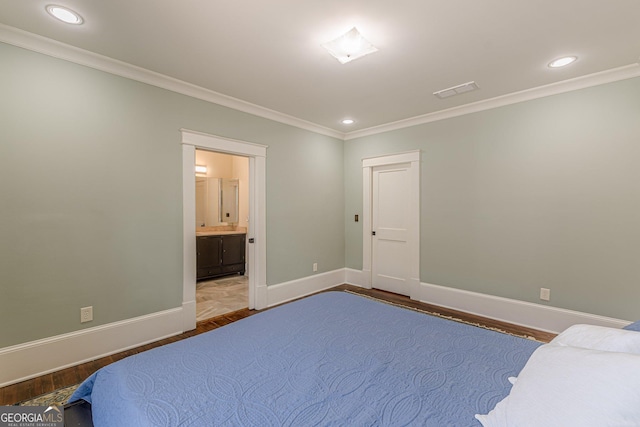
[56, 49]
[33, 359]
[355, 277]
[287, 291]
[222, 144]
[537, 316]
[188, 236]
[63, 351]
[392, 159]
[188, 314]
[532, 315]
[258, 220]
[582, 82]
[257, 251]
[26, 360]
[366, 226]
[413, 228]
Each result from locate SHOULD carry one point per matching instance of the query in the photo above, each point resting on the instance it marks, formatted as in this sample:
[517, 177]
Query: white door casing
[257, 154]
[391, 208]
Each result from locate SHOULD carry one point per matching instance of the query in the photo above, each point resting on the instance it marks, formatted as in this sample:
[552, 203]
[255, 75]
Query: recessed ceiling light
[348, 121]
[561, 62]
[64, 14]
[349, 46]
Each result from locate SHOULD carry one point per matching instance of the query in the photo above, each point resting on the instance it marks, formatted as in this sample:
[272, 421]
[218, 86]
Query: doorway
[391, 223]
[256, 230]
[222, 222]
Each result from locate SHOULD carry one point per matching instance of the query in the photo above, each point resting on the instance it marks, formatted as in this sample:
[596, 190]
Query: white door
[391, 207]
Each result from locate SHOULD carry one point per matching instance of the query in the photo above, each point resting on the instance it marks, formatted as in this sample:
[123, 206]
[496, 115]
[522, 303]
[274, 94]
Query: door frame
[257, 251]
[413, 229]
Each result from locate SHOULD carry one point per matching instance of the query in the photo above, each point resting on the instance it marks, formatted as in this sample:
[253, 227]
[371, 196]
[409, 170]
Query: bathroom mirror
[229, 200]
[216, 201]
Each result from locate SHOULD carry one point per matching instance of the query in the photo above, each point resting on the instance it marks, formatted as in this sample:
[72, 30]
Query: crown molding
[582, 82]
[53, 48]
[56, 49]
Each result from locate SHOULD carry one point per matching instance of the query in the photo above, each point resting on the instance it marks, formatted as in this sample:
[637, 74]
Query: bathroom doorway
[222, 224]
[256, 238]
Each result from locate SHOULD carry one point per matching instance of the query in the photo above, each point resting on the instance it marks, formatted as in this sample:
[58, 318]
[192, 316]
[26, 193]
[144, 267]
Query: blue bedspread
[333, 359]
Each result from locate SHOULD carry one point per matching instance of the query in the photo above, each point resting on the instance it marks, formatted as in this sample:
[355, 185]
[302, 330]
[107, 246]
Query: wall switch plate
[86, 314]
[545, 294]
[315, 266]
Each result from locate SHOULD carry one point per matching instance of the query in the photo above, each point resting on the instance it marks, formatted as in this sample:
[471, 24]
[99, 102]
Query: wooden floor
[47, 383]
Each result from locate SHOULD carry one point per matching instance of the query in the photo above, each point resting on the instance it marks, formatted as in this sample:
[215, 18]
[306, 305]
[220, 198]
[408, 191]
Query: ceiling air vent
[456, 90]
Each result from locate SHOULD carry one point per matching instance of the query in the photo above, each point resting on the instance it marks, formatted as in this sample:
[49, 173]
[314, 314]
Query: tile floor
[221, 296]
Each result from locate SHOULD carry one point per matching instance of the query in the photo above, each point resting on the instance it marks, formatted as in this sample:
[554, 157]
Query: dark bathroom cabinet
[220, 255]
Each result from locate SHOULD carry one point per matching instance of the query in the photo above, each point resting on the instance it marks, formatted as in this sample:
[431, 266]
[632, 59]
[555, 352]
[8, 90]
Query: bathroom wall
[226, 166]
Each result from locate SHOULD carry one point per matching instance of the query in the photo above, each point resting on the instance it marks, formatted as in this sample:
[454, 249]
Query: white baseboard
[537, 316]
[24, 361]
[29, 360]
[188, 315]
[32, 359]
[355, 277]
[287, 291]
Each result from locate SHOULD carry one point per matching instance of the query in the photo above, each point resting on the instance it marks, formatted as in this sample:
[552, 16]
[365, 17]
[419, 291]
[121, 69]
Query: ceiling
[269, 53]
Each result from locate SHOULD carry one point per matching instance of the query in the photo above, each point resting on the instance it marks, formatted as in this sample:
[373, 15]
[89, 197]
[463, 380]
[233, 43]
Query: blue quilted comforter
[333, 359]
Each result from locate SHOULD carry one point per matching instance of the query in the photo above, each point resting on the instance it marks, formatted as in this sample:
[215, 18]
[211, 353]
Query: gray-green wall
[91, 195]
[544, 193]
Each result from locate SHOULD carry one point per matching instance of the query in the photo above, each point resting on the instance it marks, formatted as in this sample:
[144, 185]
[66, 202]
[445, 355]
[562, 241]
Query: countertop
[217, 233]
[220, 230]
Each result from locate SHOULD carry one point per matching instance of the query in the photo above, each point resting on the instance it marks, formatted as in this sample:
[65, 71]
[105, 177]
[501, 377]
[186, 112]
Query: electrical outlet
[545, 294]
[315, 266]
[86, 314]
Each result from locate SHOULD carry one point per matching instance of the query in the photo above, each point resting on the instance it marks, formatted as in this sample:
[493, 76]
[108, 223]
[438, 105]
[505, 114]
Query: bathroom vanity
[220, 253]
[220, 242]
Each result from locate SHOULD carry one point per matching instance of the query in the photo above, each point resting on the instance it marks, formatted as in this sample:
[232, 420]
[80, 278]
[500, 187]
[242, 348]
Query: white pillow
[572, 387]
[600, 338]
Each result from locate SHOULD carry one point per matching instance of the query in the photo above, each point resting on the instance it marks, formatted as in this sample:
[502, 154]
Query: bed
[332, 359]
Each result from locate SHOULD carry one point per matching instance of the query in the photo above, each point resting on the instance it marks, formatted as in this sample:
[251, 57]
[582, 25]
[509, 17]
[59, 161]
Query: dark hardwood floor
[47, 383]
